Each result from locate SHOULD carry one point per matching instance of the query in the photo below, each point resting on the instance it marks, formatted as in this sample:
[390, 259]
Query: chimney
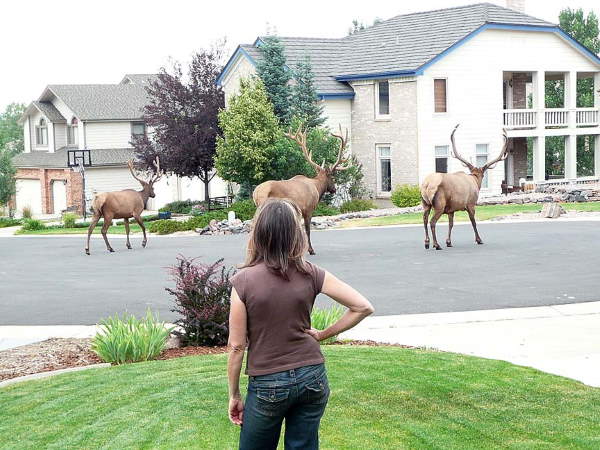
[517, 5]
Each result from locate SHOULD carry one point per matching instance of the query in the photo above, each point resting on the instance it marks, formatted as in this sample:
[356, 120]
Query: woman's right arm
[358, 307]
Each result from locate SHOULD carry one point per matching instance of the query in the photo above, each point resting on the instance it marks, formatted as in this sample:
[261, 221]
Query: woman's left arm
[237, 346]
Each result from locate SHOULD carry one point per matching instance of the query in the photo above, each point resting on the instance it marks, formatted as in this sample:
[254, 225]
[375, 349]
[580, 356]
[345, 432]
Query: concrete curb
[42, 375]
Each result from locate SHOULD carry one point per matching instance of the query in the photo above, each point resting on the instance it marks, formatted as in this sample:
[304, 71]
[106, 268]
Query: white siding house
[482, 65]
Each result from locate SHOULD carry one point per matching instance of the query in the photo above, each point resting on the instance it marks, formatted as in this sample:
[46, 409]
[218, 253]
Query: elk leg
[471, 212]
[126, 222]
[140, 222]
[434, 219]
[90, 230]
[307, 227]
[105, 227]
[450, 224]
[426, 210]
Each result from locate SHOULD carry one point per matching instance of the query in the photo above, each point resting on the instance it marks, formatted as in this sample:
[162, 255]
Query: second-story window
[383, 98]
[138, 129]
[439, 95]
[72, 132]
[41, 133]
[441, 158]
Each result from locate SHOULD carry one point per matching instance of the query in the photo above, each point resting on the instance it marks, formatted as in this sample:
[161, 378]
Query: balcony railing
[517, 119]
[520, 118]
[587, 117]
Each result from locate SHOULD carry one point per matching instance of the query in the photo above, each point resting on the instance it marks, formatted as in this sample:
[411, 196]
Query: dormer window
[382, 99]
[41, 133]
[138, 129]
[72, 132]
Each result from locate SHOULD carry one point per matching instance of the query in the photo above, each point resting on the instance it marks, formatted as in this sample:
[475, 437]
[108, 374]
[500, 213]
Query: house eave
[239, 52]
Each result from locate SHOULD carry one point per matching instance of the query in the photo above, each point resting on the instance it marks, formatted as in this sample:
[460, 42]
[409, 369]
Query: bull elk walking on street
[447, 193]
[125, 204]
[305, 192]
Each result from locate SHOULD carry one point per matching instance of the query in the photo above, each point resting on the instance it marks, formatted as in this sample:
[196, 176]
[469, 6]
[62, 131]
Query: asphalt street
[50, 281]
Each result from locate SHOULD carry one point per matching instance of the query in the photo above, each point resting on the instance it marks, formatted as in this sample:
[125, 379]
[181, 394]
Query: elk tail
[429, 188]
[97, 204]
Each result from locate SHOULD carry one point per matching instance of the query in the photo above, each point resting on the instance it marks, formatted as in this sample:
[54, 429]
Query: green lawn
[382, 398]
[481, 212]
[116, 229]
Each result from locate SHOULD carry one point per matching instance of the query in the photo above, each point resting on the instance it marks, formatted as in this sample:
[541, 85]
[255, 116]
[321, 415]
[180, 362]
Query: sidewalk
[563, 339]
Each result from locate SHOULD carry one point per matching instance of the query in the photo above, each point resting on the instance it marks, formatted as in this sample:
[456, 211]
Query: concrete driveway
[49, 280]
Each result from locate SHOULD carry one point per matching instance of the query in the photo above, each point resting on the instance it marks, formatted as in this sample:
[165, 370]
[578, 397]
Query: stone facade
[519, 89]
[519, 154]
[399, 131]
[74, 187]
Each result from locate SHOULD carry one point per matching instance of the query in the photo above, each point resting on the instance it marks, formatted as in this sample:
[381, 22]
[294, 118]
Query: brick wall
[74, 186]
[400, 131]
[519, 90]
[519, 154]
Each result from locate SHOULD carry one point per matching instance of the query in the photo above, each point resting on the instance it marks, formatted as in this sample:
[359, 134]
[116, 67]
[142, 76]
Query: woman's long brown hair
[277, 238]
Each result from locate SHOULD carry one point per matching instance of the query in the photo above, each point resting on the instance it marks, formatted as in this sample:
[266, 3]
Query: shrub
[201, 221]
[9, 222]
[358, 204]
[324, 209]
[26, 212]
[197, 210]
[201, 297]
[69, 220]
[165, 226]
[323, 318]
[33, 225]
[127, 339]
[244, 209]
[406, 195]
[180, 207]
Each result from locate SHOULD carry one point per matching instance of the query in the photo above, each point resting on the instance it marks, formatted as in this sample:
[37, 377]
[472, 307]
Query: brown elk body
[125, 204]
[305, 192]
[447, 193]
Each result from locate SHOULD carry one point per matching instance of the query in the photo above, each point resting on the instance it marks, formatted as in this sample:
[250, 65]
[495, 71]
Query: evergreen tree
[275, 75]
[7, 176]
[304, 100]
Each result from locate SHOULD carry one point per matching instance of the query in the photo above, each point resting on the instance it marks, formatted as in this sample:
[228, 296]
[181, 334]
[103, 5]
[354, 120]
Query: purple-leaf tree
[182, 118]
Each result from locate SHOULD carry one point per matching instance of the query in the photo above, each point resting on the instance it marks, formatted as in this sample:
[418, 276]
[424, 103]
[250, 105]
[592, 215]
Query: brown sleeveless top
[278, 311]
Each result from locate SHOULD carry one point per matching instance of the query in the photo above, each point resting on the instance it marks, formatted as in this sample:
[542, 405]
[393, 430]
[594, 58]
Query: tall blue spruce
[304, 100]
[275, 75]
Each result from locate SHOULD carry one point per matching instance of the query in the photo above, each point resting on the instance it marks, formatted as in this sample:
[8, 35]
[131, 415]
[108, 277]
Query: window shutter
[439, 93]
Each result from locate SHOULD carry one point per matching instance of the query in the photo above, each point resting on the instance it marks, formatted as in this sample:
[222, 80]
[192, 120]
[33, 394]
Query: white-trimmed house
[401, 86]
[101, 118]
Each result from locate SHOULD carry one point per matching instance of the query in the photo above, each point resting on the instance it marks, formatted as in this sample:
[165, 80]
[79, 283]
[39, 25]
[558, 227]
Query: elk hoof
[111, 250]
[479, 243]
[87, 252]
[426, 246]
[448, 244]
[437, 247]
[143, 244]
[129, 246]
[311, 252]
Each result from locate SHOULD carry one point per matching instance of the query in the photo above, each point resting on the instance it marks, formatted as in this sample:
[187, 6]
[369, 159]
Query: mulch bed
[60, 353]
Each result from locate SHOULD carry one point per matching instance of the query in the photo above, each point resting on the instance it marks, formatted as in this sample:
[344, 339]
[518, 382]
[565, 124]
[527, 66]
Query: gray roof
[58, 159]
[139, 78]
[50, 111]
[102, 101]
[402, 43]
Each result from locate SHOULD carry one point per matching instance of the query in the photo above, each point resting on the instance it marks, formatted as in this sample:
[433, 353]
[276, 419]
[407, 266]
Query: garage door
[59, 196]
[29, 194]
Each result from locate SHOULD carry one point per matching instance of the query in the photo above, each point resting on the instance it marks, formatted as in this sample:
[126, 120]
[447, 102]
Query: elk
[305, 192]
[125, 204]
[447, 193]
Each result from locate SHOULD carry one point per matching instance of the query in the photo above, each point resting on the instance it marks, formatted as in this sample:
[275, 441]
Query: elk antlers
[489, 165]
[455, 152]
[340, 159]
[300, 137]
[155, 177]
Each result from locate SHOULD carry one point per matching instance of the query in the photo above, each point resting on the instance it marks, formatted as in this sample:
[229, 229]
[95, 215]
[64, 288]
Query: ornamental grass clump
[201, 297]
[127, 339]
[323, 318]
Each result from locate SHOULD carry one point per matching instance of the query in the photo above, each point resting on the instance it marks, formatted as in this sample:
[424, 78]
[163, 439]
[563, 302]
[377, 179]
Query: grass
[486, 212]
[115, 229]
[382, 397]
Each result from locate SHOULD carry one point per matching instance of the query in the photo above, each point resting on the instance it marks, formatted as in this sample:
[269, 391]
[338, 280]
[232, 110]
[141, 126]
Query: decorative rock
[173, 342]
[552, 210]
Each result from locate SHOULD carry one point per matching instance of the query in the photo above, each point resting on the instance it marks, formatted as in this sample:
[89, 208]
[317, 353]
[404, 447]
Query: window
[439, 95]
[481, 157]
[41, 133]
[383, 98]
[384, 168]
[138, 129]
[441, 158]
[72, 132]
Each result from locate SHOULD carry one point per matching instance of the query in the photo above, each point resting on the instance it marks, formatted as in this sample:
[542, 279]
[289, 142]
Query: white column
[571, 97]
[539, 158]
[50, 129]
[539, 97]
[571, 156]
[597, 155]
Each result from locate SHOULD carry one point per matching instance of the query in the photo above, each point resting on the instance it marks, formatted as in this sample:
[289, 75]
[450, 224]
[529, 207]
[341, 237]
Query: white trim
[378, 116]
[378, 159]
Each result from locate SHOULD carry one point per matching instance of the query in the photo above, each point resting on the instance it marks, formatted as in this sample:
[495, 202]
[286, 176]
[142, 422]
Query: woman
[271, 302]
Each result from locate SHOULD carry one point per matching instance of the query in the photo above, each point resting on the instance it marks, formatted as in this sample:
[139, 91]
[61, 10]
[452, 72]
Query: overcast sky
[59, 41]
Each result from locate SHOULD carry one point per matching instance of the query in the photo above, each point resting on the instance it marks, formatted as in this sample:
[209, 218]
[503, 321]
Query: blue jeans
[299, 396]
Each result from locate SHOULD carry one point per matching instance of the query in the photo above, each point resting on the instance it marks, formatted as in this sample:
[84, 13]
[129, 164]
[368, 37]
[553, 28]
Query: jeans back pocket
[318, 390]
[272, 401]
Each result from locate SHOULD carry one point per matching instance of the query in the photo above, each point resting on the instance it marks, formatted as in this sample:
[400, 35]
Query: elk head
[148, 186]
[479, 172]
[322, 171]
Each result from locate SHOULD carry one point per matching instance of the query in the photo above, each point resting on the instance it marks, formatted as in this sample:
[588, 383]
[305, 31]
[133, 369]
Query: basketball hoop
[78, 160]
